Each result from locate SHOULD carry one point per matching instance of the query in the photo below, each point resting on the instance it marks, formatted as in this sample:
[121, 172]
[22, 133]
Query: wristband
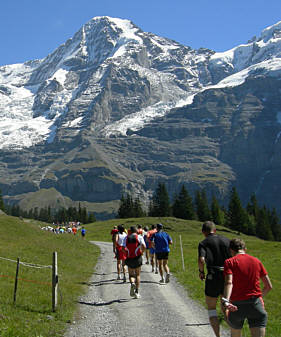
[224, 301]
[201, 272]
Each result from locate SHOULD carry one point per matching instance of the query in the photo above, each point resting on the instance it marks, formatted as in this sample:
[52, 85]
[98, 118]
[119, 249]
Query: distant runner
[135, 246]
[161, 241]
[113, 238]
[153, 260]
[121, 256]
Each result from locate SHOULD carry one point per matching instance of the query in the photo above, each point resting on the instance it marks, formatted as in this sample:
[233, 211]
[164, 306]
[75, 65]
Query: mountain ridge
[99, 100]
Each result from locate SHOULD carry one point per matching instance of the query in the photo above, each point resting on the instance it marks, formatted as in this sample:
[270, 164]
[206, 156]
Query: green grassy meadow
[190, 233]
[32, 314]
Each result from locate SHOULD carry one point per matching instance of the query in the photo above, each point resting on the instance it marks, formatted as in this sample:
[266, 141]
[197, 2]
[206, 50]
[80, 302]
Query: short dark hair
[237, 244]
[208, 227]
[133, 229]
[121, 229]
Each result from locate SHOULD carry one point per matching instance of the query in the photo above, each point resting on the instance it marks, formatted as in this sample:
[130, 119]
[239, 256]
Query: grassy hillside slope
[32, 315]
[190, 232]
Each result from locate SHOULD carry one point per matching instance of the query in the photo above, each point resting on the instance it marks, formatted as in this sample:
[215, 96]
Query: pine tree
[275, 225]
[253, 207]
[126, 208]
[138, 211]
[217, 213]
[83, 215]
[236, 215]
[2, 205]
[160, 202]
[263, 227]
[202, 207]
[183, 205]
[91, 217]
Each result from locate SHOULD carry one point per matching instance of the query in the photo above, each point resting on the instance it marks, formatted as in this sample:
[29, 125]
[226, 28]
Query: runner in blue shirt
[161, 241]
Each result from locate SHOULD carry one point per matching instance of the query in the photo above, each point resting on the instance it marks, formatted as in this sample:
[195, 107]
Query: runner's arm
[267, 286]
[201, 264]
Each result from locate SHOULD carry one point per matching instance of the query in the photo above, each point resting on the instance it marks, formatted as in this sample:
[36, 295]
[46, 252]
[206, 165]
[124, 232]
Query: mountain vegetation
[252, 220]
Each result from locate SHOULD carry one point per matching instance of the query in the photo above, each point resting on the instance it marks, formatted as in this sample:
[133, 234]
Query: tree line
[50, 215]
[254, 219]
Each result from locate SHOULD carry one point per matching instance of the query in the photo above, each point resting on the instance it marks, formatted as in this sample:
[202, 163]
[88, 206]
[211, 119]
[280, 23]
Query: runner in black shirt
[212, 251]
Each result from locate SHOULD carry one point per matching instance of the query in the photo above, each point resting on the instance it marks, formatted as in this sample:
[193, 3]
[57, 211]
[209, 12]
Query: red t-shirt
[247, 271]
[149, 235]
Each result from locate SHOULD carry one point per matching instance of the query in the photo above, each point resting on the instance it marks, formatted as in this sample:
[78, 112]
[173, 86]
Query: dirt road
[163, 310]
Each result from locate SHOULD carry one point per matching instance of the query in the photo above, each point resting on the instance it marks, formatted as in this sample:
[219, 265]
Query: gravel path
[163, 310]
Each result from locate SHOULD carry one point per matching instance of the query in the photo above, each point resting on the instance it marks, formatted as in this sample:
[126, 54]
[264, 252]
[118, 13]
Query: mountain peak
[270, 32]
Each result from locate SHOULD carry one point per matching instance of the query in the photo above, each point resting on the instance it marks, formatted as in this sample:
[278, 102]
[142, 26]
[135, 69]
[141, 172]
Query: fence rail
[54, 282]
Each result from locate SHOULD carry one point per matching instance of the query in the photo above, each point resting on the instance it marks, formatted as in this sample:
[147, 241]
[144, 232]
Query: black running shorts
[214, 284]
[162, 256]
[134, 262]
[252, 309]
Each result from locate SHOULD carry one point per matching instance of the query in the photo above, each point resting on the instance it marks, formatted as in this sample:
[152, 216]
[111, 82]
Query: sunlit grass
[190, 233]
[32, 314]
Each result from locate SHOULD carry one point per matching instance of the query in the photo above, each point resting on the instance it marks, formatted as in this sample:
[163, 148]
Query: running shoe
[156, 271]
[132, 290]
[137, 295]
[118, 277]
[124, 279]
[152, 269]
[162, 281]
[167, 278]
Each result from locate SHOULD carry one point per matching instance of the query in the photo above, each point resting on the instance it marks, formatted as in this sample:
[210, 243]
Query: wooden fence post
[183, 267]
[16, 280]
[55, 282]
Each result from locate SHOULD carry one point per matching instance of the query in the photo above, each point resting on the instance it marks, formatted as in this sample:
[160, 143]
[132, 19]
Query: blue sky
[31, 29]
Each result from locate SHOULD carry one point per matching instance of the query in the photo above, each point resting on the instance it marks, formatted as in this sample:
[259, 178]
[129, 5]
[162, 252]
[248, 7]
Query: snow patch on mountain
[138, 120]
[19, 128]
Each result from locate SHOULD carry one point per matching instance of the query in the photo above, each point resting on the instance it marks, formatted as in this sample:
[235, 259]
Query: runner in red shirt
[243, 296]
[134, 245]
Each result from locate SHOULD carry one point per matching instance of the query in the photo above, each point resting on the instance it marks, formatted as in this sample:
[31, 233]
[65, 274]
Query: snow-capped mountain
[114, 82]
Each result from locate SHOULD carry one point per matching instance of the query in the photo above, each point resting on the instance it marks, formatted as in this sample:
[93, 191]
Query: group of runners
[130, 246]
[231, 274]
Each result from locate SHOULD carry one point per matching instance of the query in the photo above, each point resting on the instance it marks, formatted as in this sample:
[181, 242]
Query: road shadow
[151, 282]
[196, 324]
[100, 304]
[101, 282]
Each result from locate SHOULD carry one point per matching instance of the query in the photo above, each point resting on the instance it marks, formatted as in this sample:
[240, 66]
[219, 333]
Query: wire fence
[16, 278]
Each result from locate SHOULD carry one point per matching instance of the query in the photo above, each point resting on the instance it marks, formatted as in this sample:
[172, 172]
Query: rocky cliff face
[116, 109]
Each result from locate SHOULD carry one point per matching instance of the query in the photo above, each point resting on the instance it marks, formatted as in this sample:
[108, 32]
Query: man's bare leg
[235, 332]
[213, 318]
[257, 332]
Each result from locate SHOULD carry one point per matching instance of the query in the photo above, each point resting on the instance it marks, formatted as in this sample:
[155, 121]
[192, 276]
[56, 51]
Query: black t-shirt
[215, 250]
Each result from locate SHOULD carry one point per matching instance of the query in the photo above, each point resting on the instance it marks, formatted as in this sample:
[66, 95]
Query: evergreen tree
[138, 211]
[35, 213]
[83, 215]
[122, 208]
[183, 205]
[275, 225]
[263, 227]
[160, 202]
[2, 206]
[252, 207]
[126, 208]
[202, 207]
[91, 217]
[236, 215]
[217, 213]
